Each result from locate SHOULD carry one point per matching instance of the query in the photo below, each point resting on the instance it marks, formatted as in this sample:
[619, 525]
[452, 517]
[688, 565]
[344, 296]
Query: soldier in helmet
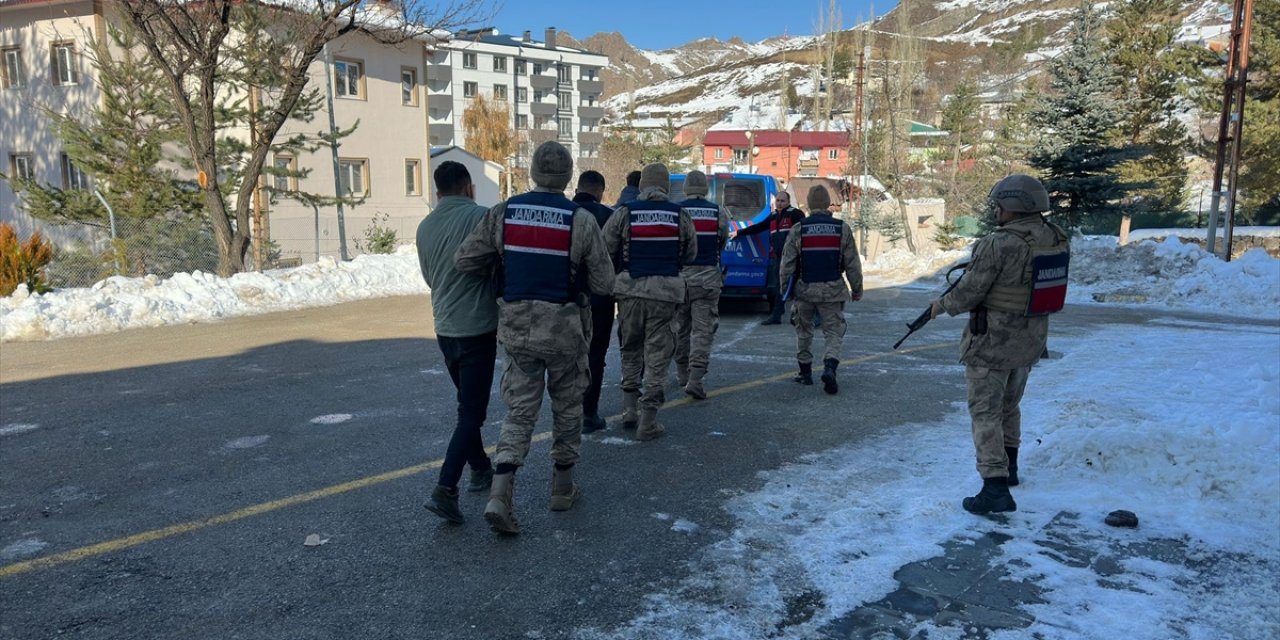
[821, 254]
[698, 316]
[548, 253]
[649, 238]
[1017, 277]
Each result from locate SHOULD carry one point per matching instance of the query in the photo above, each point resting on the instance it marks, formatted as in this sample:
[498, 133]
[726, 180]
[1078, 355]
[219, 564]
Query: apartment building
[552, 91]
[781, 154]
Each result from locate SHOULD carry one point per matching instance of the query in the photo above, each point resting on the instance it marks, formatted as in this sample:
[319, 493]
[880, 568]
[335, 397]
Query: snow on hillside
[1168, 274]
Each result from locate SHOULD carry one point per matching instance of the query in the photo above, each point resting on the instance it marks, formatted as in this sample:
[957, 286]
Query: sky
[1100, 442]
[662, 24]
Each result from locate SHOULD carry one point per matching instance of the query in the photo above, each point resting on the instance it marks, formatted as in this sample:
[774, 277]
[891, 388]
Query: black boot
[775, 314]
[805, 376]
[829, 383]
[1012, 452]
[994, 498]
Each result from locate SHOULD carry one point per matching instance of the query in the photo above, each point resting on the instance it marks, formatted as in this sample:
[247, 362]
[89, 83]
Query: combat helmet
[1020, 193]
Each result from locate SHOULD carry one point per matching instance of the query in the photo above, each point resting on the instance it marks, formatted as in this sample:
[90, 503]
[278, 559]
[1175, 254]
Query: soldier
[779, 224]
[698, 317]
[590, 190]
[1016, 278]
[547, 251]
[649, 238]
[820, 254]
[466, 324]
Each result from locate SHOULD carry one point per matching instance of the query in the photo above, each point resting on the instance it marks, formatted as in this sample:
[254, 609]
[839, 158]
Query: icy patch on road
[1176, 424]
[332, 418]
[617, 441]
[14, 429]
[22, 549]
[247, 442]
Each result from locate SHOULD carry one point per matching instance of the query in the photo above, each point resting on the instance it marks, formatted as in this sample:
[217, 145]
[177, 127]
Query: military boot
[829, 383]
[649, 428]
[498, 513]
[775, 314]
[481, 480]
[805, 377]
[444, 503]
[694, 386]
[629, 416]
[592, 424]
[1012, 452]
[564, 491]
[994, 497]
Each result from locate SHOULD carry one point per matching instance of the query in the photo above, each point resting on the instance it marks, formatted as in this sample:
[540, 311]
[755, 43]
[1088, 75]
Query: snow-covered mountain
[712, 79]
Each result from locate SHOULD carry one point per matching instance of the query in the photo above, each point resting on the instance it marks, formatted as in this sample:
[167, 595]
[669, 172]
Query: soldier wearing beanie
[546, 254]
[779, 223]
[821, 254]
[1016, 277]
[698, 316]
[649, 239]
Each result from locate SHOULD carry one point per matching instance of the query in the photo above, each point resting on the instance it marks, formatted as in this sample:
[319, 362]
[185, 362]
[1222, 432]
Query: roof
[490, 35]
[436, 152]
[777, 138]
[922, 129]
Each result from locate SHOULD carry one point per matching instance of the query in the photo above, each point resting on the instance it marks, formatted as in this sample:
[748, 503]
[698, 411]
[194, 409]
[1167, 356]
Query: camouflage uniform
[546, 343]
[646, 308]
[998, 362]
[698, 317]
[823, 298]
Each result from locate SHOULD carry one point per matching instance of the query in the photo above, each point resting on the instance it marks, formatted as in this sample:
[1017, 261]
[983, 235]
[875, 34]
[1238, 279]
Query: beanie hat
[695, 184]
[552, 166]
[655, 175]
[818, 199]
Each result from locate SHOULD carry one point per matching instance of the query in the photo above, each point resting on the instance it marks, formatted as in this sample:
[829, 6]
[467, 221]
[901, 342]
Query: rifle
[923, 319]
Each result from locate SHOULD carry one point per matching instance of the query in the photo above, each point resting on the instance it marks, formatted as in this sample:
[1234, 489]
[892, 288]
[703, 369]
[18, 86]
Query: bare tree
[486, 126]
[199, 49]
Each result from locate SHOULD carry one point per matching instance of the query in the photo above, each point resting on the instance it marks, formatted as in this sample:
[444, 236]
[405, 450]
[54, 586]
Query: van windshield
[744, 199]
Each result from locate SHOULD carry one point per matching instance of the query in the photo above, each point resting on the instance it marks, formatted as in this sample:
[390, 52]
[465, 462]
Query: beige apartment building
[382, 88]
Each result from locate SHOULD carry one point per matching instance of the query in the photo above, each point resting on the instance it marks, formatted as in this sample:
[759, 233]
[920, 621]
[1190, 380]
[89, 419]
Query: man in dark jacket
[631, 191]
[778, 224]
[590, 190]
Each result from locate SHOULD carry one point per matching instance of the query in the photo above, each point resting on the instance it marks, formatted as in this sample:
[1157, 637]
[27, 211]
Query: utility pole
[1231, 126]
[258, 232]
[333, 147]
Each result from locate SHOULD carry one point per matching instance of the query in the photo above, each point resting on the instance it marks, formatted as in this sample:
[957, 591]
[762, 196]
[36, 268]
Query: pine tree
[1076, 120]
[1260, 177]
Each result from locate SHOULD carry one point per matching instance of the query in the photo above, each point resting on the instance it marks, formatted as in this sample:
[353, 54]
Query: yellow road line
[118, 544]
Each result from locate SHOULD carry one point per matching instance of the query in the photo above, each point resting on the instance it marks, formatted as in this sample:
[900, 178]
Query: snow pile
[122, 303]
[899, 266]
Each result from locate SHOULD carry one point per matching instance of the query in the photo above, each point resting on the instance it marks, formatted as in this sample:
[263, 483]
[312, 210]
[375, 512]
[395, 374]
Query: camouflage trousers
[524, 378]
[696, 323]
[646, 338]
[833, 328]
[994, 396]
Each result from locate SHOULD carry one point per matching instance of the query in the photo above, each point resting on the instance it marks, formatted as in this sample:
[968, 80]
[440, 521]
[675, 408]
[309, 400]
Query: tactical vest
[537, 233]
[654, 245]
[781, 223]
[706, 220]
[820, 237]
[1043, 286]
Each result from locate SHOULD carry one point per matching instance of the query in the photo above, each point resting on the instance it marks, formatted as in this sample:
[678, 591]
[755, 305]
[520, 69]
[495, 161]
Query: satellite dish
[755, 151]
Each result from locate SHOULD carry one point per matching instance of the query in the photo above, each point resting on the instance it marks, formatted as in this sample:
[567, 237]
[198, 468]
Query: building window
[468, 60]
[537, 68]
[286, 180]
[588, 100]
[719, 153]
[833, 154]
[590, 124]
[566, 73]
[538, 94]
[566, 100]
[522, 94]
[588, 73]
[520, 67]
[590, 151]
[72, 176]
[500, 92]
[12, 73]
[566, 127]
[412, 178]
[348, 77]
[20, 166]
[409, 86]
[540, 122]
[500, 64]
[353, 177]
[739, 156]
[64, 71]
[470, 89]
[522, 121]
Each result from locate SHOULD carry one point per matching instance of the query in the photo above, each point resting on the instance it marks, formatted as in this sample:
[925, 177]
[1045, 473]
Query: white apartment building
[553, 91]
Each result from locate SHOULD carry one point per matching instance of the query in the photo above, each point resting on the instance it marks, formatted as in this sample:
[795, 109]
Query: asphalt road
[160, 483]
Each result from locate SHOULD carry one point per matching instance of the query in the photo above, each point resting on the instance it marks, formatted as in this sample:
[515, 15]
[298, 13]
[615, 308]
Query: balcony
[441, 134]
[440, 72]
[591, 86]
[590, 137]
[544, 82]
[440, 101]
[542, 108]
[590, 112]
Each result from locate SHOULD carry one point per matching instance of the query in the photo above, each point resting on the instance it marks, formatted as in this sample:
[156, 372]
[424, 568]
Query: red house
[781, 154]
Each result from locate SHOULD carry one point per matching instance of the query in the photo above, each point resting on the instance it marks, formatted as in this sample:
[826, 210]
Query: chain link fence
[136, 248]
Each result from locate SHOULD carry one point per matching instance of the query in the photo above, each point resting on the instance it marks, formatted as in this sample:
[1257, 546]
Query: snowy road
[168, 490]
